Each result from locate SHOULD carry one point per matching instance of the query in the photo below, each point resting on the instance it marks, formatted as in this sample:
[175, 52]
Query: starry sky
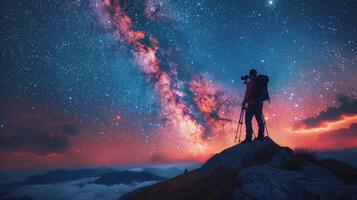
[108, 82]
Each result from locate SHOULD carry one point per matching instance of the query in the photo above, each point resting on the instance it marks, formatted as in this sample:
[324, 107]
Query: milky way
[160, 79]
[191, 108]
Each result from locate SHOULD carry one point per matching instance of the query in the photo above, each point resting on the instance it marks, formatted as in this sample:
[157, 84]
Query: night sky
[107, 82]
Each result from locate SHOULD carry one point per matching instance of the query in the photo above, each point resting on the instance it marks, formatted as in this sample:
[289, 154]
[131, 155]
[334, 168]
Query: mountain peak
[259, 170]
[243, 155]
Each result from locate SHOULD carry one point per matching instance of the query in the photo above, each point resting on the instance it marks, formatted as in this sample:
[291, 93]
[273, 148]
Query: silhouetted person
[254, 108]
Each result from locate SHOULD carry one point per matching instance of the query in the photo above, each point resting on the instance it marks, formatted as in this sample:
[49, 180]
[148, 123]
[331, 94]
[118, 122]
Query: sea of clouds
[81, 189]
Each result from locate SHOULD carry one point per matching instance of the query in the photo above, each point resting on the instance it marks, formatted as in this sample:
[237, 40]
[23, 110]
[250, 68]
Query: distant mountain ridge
[125, 177]
[167, 173]
[106, 177]
[62, 175]
[348, 155]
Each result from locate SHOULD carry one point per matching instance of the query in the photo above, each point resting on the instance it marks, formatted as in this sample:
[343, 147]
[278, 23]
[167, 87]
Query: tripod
[240, 125]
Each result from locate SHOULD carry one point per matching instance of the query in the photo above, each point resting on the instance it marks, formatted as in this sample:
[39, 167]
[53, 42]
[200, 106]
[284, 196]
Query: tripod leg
[265, 125]
[241, 122]
[235, 138]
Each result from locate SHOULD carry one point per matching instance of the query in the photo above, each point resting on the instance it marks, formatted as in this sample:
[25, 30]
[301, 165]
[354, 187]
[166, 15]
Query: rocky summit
[248, 154]
[259, 170]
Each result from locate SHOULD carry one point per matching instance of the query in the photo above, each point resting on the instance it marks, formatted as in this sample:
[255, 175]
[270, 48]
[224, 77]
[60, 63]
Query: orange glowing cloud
[333, 128]
[332, 118]
[343, 122]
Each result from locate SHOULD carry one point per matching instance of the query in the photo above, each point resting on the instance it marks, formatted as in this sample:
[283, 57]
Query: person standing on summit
[254, 108]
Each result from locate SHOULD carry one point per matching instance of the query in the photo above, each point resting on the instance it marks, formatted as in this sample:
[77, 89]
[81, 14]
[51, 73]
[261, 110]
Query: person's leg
[248, 122]
[259, 117]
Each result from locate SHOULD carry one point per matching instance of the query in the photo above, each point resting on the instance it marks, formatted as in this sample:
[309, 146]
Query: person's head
[253, 73]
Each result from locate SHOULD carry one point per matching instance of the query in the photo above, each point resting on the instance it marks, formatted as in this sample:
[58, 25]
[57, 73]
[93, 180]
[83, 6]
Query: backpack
[261, 87]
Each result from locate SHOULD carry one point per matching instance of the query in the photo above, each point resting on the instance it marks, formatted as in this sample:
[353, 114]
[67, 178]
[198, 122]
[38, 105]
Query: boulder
[268, 182]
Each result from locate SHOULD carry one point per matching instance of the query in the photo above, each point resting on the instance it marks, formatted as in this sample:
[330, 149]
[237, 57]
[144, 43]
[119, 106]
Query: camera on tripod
[244, 79]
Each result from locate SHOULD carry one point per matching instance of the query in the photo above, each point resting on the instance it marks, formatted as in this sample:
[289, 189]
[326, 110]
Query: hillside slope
[259, 170]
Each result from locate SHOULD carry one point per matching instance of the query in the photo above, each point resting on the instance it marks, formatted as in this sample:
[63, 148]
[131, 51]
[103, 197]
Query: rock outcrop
[248, 154]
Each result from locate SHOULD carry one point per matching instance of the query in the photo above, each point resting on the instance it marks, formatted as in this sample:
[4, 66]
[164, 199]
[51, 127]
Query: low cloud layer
[76, 190]
[32, 129]
[347, 107]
